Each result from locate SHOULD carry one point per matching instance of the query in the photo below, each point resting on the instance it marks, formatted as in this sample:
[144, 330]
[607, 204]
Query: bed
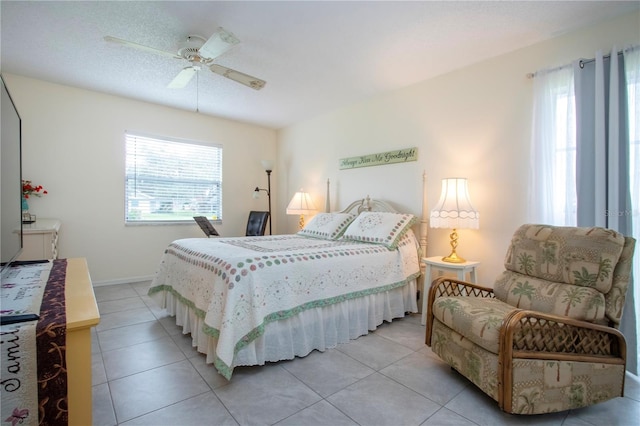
[250, 300]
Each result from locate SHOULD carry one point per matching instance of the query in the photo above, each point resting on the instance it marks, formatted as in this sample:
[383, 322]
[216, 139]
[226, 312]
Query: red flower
[29, 189]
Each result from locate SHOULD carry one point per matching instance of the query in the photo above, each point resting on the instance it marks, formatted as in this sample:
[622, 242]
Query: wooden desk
[82, 314]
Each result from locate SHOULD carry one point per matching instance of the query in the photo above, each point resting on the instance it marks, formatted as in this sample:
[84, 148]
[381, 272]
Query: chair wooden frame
[566, 339]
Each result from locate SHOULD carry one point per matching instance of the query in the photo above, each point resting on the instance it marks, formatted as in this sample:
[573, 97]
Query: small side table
[440, 265]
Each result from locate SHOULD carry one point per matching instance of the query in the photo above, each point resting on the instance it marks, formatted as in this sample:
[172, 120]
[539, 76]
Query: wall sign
[391, 157]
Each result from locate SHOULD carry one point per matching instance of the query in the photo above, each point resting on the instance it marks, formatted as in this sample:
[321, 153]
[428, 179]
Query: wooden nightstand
[436, 262]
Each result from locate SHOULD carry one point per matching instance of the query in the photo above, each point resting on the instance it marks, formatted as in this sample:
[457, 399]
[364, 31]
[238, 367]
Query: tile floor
[146, 373]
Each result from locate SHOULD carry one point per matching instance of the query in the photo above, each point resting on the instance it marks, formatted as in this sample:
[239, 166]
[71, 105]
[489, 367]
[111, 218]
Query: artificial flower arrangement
[29, 189]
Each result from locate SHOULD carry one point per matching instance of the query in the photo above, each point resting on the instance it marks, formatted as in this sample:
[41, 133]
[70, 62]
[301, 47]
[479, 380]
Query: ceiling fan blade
[247, 80]
[221, 41]
[142, 47]
[183, 78]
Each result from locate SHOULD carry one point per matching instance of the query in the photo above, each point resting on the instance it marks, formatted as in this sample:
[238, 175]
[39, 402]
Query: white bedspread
[238, 285]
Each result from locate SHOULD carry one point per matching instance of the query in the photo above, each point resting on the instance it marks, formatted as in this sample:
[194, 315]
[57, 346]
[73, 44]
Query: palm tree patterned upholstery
[544, 338]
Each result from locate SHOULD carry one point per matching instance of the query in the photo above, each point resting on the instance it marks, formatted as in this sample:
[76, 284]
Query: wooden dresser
[40, 240]
[82, 314]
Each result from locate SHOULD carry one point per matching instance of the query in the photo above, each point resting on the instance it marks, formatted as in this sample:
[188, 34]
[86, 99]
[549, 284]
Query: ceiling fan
[201, 53]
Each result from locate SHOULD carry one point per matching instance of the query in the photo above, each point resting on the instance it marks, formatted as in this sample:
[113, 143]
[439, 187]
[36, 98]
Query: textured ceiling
[315, 56]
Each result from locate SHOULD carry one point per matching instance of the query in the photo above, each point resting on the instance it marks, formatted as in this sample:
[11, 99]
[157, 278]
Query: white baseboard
[130, 280]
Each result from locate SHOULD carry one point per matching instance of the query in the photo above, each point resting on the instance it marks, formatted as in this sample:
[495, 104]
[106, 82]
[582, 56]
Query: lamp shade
[301, 204]
[454, 209]
[267, 165]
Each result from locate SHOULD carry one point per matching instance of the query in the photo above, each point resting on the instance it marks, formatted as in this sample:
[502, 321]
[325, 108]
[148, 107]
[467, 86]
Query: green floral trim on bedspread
[199, 312]
[227, 370]
[237, 288]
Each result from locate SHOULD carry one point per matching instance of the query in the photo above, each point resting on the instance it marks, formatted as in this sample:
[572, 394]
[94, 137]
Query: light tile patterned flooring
[145, 372]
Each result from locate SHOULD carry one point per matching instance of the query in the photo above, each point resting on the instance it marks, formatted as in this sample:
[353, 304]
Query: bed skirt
[317, 328]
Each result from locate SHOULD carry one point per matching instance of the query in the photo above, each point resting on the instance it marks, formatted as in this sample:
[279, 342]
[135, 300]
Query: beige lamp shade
[301, 204]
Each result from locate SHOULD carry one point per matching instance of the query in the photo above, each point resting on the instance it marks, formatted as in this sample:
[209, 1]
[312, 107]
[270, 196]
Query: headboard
[367, 204]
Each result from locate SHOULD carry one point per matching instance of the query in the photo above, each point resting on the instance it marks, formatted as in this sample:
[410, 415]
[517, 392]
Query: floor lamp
[268, 167]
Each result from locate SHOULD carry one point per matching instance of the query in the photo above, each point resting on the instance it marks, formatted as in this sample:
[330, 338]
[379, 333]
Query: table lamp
[454, 210]
[301, 204]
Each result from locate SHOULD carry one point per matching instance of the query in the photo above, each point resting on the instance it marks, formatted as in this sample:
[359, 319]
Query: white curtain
[602, 159]
[552, 195]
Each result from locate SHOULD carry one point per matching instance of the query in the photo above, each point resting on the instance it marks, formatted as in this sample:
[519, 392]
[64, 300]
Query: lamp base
[453, 256]
[301, 222]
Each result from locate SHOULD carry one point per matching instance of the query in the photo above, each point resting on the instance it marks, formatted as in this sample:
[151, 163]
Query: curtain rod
[582, 63]
[533, 74]
[588, 61]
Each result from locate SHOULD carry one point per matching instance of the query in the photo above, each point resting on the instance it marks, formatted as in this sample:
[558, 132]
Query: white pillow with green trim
[380, 228]
[327, 226]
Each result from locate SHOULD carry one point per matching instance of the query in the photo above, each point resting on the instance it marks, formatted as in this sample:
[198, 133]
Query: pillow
[327, 226]
[380, 228]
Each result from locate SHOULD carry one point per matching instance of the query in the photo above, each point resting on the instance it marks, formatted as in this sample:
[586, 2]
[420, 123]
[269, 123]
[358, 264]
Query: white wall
[73, 145]
[473, 123]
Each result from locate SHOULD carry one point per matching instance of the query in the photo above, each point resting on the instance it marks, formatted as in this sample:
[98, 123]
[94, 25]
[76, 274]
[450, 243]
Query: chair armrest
[531, 334]
[451, 287]
[545, 337]
[444, 286]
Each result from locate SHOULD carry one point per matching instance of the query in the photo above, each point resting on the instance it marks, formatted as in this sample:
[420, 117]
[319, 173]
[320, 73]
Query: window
[552, 184]
[564, 154]
[632, 65]
[632, 60]
[169, 180]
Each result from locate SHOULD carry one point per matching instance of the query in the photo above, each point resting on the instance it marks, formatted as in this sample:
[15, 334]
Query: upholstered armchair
[545, 337]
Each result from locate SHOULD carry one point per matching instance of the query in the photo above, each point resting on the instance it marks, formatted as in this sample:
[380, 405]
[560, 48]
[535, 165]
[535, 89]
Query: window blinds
[170, 180]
